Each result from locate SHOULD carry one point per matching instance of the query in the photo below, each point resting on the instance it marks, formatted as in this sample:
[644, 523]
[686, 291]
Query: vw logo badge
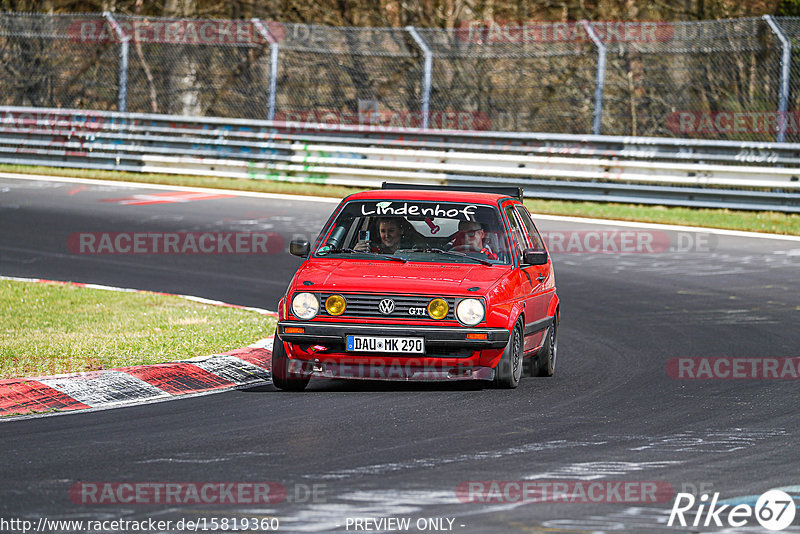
[386, 306]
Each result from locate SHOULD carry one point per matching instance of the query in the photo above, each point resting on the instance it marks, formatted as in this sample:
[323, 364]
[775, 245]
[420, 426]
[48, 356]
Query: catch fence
[731, 79]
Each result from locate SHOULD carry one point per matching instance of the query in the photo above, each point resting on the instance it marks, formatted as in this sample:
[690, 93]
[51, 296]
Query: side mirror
[299, 248]
[531, 256]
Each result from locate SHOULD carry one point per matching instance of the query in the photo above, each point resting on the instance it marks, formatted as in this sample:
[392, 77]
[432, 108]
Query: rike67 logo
[774, 510]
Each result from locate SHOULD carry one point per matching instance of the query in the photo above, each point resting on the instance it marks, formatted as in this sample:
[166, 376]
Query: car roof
[429, 195]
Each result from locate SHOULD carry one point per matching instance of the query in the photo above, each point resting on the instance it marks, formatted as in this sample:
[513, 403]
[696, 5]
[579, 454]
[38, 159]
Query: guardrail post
[600, 79]
[122, 96]
[786, 61]
[426, 73]
[273, 65]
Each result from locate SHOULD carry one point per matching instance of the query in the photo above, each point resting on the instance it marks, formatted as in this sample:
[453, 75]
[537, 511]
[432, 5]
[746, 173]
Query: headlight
[305, 306]
[438, 308]
[335, 305]
[470, 311]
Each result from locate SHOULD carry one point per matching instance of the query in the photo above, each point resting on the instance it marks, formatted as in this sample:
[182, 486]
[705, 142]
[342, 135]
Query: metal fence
[731, 79]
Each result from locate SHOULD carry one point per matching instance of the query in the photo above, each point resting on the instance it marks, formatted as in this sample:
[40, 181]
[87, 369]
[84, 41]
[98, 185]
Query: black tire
[508, 372]
[546, 358]
[281, 377]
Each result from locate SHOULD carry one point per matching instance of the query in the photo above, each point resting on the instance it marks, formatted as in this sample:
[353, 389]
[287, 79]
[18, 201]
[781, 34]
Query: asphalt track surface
[380, 450]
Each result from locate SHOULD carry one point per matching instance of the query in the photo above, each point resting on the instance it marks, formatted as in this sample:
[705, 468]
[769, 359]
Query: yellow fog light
[438, 308]
[335, 304]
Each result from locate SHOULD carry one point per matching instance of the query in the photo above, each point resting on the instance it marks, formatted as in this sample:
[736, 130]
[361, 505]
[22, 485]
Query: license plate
[414, 345]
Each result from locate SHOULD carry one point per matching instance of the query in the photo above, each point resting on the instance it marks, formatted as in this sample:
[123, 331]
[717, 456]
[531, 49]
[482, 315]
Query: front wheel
[282, 378]
[508, 372]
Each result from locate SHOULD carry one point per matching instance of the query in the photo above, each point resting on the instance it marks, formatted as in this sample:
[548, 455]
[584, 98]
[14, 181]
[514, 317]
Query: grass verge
[55, 328]
[753, 221]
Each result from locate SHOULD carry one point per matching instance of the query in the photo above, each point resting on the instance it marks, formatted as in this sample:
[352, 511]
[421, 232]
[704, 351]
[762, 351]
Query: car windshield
[436, 232]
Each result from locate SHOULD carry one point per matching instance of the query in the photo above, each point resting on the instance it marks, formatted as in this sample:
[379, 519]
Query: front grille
[360, 305]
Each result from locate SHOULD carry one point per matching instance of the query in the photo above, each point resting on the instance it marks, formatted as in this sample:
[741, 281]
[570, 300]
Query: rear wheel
[282, 378]
[546, 358]
[509, 371]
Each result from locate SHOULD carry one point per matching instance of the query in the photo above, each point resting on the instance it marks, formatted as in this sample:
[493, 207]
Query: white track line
[302, 198]
[140, 185]
[679, 228]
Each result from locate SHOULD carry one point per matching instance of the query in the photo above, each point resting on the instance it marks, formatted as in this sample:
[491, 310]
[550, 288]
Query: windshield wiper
[449, 253]
[353, 251]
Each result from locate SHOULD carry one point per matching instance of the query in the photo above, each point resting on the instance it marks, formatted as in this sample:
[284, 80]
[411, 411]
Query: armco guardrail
[626, 169]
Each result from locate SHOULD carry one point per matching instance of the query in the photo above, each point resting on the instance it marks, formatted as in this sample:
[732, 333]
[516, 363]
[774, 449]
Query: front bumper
[436, 337]
[394, 372]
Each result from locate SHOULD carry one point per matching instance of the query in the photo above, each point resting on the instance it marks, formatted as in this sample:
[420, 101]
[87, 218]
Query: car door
[534, 278]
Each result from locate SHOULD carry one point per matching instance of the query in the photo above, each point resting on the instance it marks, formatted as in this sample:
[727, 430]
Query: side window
[517, 236]
[533, 233]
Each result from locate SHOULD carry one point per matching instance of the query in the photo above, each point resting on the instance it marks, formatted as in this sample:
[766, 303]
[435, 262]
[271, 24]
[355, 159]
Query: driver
[471, 238]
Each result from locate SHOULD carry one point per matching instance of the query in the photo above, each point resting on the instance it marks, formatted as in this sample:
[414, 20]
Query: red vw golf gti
[420, 283]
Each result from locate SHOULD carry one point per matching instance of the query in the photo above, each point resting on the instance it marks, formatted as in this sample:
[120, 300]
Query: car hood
[395, 277]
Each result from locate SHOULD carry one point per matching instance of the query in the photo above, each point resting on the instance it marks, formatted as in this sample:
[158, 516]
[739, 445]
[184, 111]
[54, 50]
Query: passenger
[391, 235]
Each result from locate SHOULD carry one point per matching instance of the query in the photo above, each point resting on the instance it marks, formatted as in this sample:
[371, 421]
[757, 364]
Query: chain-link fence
[728, 79]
